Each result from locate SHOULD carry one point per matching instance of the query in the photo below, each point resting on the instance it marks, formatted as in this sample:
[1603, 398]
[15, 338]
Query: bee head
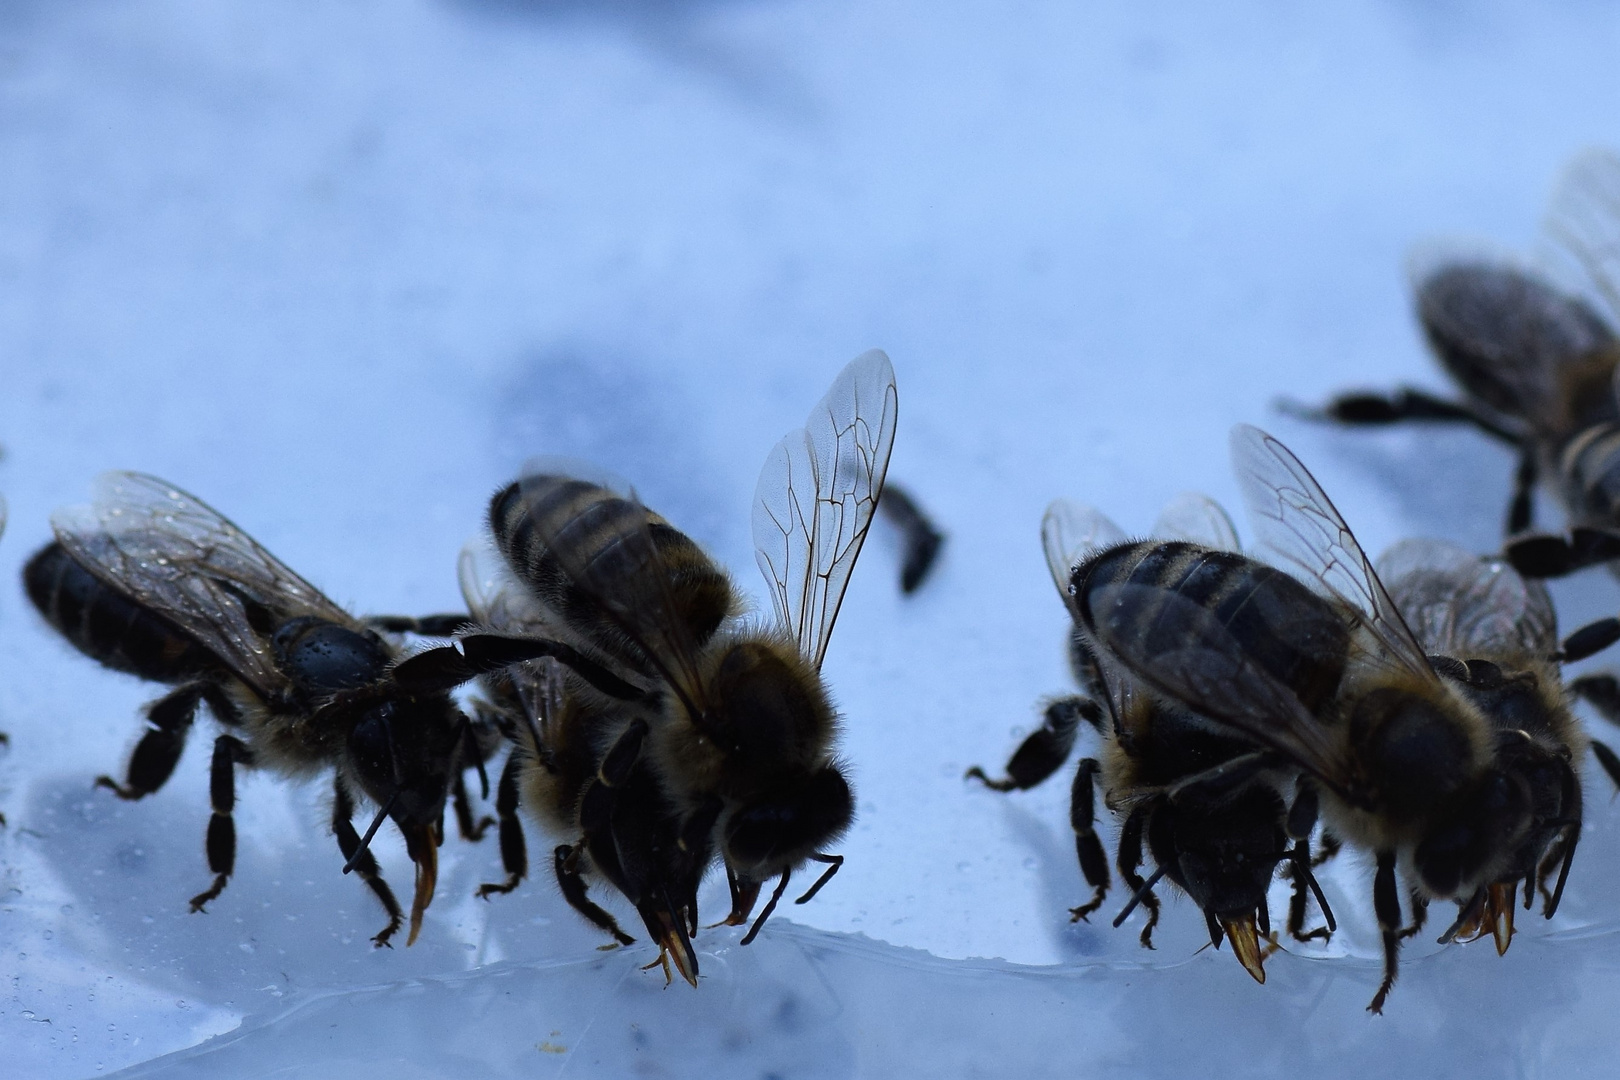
[402, 752]
[1224, 856]
[1480, 831]
[787, 824]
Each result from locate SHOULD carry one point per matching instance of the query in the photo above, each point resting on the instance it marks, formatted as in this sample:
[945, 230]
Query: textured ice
[340, 268]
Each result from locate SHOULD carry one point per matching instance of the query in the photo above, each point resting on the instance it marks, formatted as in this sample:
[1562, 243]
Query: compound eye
[371, 748]
[772, 834]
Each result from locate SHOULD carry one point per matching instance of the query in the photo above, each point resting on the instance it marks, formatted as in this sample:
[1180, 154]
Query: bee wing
[1297, 523]
[815, 499]
[1467, 606]
[174, 554]
[1198, 519]
[494, 599]
[1583, 221]
[1069, 532]
[1192, 658]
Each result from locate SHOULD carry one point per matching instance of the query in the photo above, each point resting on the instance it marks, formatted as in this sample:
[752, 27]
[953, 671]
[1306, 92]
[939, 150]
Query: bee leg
[1330, 847]
[1545, 555]
[770, 906]
[228, 751]
[514, 852]
[1588, 640]
[364, 863]
[1127, 859]
[470, 829]
[1405, 403]
[744, 895]
[565, 861]
[1521, 506]
[1387, 906]
[1563, 853]
[1082, 815]
[441, 626]
[922, 539]
[1420, 915]
[1047, 747]
[1301, 823]
[168, 723]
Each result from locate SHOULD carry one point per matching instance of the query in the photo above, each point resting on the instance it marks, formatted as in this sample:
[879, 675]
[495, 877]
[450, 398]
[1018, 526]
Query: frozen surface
[340, 267]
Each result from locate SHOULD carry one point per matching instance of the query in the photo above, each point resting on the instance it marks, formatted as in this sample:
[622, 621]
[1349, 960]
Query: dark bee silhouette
[151, 581]
[1495, 635]
[1324, 675]
[920, 538]
[1163, 771]
[627, 830]
[1536, 366]
[699, 731]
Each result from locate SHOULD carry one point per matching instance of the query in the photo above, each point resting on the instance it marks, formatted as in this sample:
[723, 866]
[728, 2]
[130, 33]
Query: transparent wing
[495, 600]
[815, 499]
[175, 555]
[1069, 532]
[1297, 524]
[1583, 221]
[1467, 606]
[1197, 519]
[606, 574]
[1193, 659]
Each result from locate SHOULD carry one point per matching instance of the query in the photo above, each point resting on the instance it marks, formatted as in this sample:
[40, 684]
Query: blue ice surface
[340, 268]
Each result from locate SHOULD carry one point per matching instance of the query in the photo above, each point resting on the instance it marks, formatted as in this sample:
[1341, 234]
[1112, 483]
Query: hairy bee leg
[1330, 847]
[922, 539]
[1589, 640]
[514, 852]
[1547, 555]
[470, 830]
[1127, 859]
[1046, 748]
[1303, 885]
[441, 626]
[1403, 404]
[221, 844]
[1082, 818]
[565, 862]
[365, 864]
[1387, 906]
[1420, 915]
[168, 721]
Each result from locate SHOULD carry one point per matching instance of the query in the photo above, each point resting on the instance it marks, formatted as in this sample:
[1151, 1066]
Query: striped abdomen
[598, 560]
[107, 626]
[1155, 603]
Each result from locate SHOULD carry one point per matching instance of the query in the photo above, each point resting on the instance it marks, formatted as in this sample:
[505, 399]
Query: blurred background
[339, 268]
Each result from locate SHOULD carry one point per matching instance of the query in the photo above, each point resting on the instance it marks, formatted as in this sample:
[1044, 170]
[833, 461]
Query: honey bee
[1163, 771]
[1536, 366]
[1494, 634]
[1323, 674]
[700, 731]
[629, 832]
[154, 582]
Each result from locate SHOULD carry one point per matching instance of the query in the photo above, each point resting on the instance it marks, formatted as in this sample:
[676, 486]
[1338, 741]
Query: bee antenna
[376, 823]
[770, 906]
[1141, 894]
[834, 861]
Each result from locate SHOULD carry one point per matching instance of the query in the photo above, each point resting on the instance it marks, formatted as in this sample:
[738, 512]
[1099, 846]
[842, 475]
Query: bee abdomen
[1170, 598]
[107, 626]
[582, 548]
